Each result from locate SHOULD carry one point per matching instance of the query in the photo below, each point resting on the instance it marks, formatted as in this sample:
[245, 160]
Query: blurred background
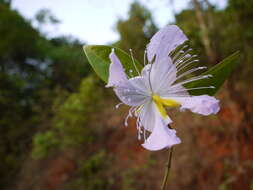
[59, 129]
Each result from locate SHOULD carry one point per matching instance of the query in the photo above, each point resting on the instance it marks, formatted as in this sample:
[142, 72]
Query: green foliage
[5, 2]
[74, 120]
[90, 173]
[243, 10]
[76, 117]
[90, 170]
[17, 34]
[67, 68]
[98, 57]
[34, 71]
[17, 122]
[43, 143]
[75, 127]
[45, 16]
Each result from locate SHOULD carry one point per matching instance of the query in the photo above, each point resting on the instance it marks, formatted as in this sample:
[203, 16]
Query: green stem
[167, 171]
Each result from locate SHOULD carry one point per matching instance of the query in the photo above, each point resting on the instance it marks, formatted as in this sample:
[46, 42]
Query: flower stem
[167, 171]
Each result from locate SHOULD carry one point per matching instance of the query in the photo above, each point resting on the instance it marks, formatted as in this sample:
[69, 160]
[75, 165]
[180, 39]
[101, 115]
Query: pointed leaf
[219, 72]
[98, 57]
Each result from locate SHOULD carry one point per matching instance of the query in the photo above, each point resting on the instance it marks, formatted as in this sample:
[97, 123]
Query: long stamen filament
[131, 73]
[184, 61]
[186, 64]
[191, 80]
[186, 54]
[144, 59]
[177, 55]
[132, 57]
[149, 77]
[187, 89]
[131, 110]
[190, 71]
[118, 105]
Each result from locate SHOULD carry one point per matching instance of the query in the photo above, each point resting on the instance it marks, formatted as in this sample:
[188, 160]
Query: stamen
[117, 106]
[131, 53]
[185, 60]
[138, 123]
[190, 71]
[186, 64]
[181, 50]
[180, 59]
[187, 89]
[177, 55]
[188, 58]
[191, 80]
[144, 59]
[204, 87]
[144, 132]
[139, 133]
[126, 124]
[185, 46]
[131, 73]
[129, 115]
[186, 53]
[149, 77]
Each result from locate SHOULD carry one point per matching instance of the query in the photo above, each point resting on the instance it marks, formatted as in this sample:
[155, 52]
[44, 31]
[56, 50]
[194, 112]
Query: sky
[94, 21]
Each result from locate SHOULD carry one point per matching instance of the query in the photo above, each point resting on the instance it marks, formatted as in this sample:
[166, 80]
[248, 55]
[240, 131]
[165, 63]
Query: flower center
[161, 102]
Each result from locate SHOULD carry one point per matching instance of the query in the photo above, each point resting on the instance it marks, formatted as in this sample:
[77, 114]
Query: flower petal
[164, 41]
[116, 71]
[149, 112]
[147, 116]
[174, 91]
[204, 104]
[132, 92]
[160, 75]
[161, 137]
[163, 74]
[139, 84]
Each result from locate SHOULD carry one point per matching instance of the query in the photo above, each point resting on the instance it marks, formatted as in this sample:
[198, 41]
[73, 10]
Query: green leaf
[219, 72]
[98, 57]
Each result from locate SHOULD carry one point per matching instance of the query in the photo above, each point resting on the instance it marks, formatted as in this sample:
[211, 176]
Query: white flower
[158, 86]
